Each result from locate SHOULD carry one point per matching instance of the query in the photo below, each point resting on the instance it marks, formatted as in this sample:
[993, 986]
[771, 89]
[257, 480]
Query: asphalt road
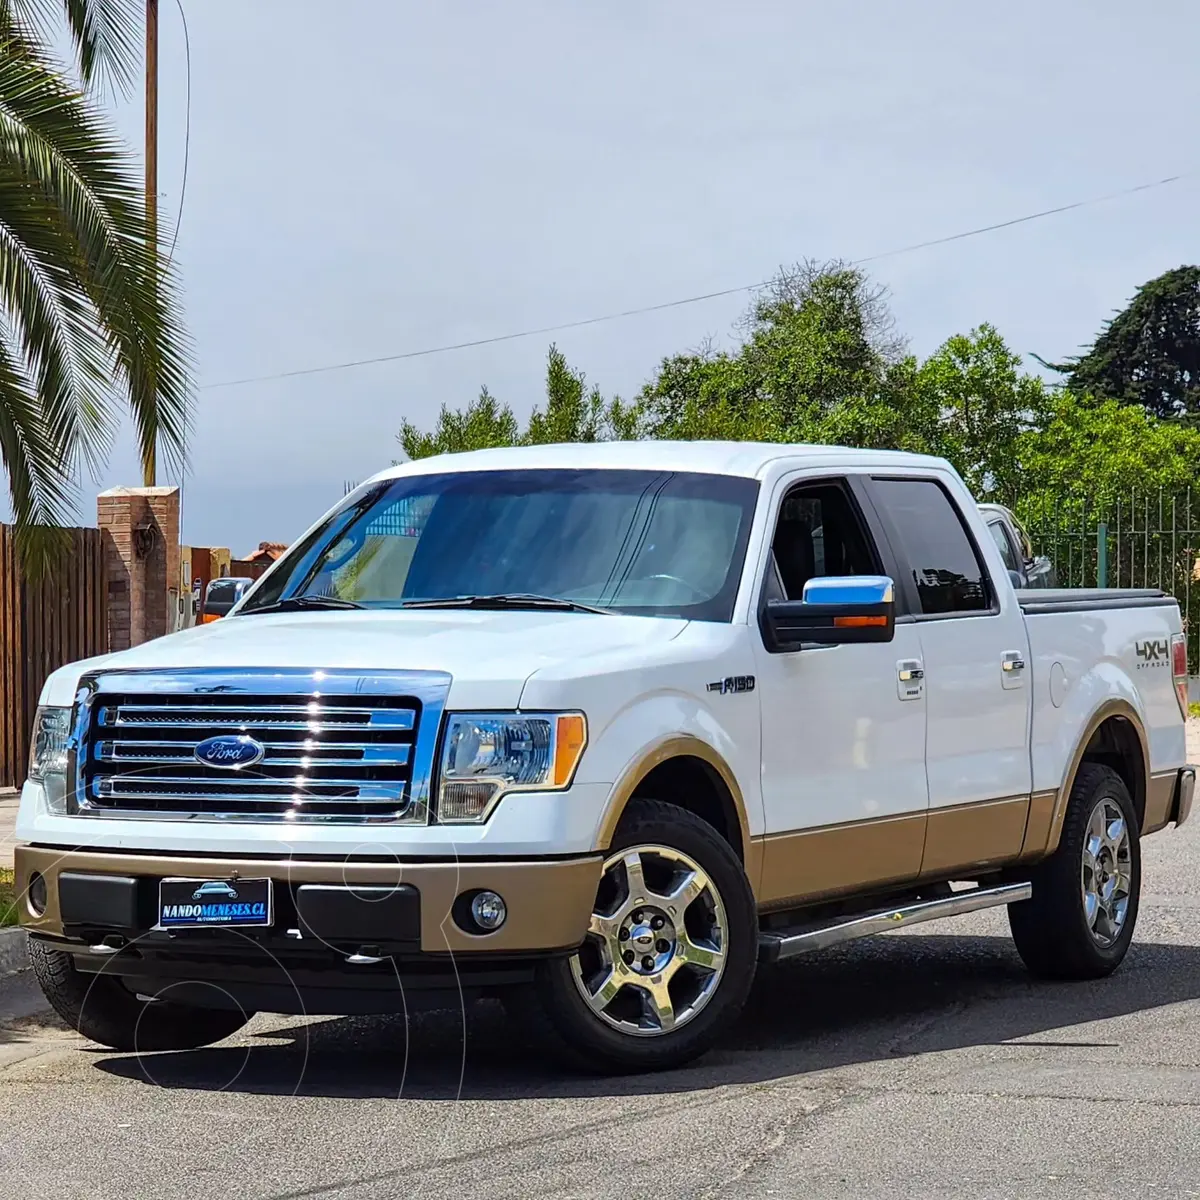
[924, 1064]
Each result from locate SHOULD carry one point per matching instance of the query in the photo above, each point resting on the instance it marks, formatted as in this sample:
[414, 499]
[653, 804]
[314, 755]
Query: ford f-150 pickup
[600, 730]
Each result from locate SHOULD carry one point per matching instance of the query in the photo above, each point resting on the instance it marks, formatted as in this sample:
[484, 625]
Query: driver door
[843, 727]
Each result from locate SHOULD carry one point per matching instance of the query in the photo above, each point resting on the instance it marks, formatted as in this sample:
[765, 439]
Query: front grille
[325, 757]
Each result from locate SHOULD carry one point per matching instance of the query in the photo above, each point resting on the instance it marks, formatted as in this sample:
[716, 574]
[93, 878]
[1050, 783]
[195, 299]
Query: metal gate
[1143, 540]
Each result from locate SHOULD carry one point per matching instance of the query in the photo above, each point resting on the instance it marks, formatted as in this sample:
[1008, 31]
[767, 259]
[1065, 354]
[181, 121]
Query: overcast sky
[378, 176]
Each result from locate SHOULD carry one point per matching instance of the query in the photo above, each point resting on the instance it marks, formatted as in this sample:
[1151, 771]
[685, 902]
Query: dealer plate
[201, 903]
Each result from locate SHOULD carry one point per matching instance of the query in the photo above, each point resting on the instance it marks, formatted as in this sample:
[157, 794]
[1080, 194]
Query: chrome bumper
[1185, 793]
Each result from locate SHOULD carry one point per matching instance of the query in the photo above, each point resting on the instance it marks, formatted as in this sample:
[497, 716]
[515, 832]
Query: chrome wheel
[1107, 874]
[656, 943]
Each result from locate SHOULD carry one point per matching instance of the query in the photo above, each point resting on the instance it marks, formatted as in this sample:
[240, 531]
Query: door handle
[910, 676]
[1013, 661]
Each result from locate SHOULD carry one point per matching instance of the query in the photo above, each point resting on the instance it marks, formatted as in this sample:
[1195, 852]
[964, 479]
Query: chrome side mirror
[835, 610]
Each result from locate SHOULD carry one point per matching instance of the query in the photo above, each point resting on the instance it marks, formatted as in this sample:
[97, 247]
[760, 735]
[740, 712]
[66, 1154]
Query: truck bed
[1116, 648]
[1072, 600]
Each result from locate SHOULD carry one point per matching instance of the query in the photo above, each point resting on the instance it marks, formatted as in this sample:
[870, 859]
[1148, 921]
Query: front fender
[671, 724]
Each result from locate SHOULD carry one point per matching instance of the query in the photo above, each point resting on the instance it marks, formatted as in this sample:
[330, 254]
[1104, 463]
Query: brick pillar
[140, 532]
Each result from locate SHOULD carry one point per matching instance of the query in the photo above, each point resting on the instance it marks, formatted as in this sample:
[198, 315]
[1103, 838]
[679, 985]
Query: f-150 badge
[733, 683]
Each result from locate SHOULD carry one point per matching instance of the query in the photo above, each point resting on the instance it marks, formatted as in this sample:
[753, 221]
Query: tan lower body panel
[549, 903]
[1037, 828]
[1160, 791]
[840, 858]
[974, 835]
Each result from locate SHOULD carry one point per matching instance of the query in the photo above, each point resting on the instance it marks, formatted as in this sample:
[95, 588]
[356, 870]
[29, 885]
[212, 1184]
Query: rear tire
[102, 1009]
[1080, 920]
[669, 958]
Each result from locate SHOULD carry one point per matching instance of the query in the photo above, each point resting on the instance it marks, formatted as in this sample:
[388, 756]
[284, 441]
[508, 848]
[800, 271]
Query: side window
[1024, 545]
[934, 543]
[819, 532]
[1001, 539]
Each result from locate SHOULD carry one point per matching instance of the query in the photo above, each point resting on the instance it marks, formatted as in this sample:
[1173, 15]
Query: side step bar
[772, 947]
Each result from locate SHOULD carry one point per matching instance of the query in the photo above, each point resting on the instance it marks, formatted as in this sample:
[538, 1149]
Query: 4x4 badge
[1153, 652]
[733, 683]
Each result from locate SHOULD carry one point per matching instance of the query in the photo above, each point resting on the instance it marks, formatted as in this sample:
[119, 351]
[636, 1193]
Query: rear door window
[928, 532]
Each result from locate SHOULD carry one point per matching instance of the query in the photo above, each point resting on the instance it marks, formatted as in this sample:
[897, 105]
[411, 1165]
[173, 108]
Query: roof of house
[271, 550]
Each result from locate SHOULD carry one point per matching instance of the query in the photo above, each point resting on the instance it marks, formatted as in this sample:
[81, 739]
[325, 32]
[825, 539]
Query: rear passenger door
[974, 651]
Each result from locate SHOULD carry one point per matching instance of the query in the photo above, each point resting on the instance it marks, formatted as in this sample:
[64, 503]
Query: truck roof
[748, 459]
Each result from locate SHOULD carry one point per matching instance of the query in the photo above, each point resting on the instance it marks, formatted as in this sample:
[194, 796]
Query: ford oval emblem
[229, 752]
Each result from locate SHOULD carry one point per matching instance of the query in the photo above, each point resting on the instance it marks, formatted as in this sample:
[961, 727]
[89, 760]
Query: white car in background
[1025, 569]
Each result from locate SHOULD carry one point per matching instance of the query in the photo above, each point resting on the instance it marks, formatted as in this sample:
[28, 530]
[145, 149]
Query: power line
[697, 299]
[187, 149]
[187, 130]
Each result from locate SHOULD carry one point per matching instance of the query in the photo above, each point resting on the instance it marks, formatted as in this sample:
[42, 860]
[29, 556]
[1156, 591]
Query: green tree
[974, 403]
[1148, 354]
[819, 354]
[1099, 450]
[89, 316]
[820, 362]
[573, 413]
[484, 423]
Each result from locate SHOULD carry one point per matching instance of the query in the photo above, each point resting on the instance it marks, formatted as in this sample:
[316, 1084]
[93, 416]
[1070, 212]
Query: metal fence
[1150, 541]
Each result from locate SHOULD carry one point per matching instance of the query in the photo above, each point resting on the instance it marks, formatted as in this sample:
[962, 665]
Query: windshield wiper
[528, 600]
[301, 604]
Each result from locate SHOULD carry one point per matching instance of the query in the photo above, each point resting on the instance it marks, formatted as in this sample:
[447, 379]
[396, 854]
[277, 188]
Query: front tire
[102, 1009]
[1080, 920]
[670, 953]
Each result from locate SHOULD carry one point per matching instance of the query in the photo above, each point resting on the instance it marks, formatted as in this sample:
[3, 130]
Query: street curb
[13, 953]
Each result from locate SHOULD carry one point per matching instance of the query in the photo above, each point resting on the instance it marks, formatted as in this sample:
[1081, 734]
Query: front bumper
[1185, 793]
[549, 901]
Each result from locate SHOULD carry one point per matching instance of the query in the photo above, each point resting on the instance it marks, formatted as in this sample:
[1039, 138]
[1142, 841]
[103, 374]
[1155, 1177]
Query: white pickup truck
[598, 729]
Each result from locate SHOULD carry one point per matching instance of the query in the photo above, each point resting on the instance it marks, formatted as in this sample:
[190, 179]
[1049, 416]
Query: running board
[772, 947]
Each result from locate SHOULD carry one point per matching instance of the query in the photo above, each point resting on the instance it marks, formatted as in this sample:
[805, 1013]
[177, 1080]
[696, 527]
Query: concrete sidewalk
[8, 821]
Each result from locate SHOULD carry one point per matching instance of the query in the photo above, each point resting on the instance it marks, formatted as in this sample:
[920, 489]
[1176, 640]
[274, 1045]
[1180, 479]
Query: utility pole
[150, 465]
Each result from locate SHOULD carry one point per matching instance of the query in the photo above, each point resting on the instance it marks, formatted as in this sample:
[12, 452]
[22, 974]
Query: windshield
[646, 542]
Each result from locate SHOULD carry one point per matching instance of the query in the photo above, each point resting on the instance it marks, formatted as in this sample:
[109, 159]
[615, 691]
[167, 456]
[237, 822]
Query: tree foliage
[573, 413]
[88, 317]
[819, 361]
[1148, 354]
[1101, 450]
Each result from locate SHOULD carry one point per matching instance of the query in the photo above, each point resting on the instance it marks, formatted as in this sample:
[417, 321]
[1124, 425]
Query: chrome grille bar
[313, 756]
[335, 747]
[273, 790]
[314, 717]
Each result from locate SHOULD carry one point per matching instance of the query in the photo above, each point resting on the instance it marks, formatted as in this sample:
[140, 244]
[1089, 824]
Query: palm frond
[52, 142]
[64, 351]
[105, 34]
[38, 476]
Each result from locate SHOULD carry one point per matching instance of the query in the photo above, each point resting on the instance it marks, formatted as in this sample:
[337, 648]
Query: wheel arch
[686, 771]
[1115, 737]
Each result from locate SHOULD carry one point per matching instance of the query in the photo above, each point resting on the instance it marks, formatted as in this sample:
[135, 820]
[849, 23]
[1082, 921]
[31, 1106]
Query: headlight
[49, 760]
[485, 755]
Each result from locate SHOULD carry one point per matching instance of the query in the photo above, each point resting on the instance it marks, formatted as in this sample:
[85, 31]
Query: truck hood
[490, 655]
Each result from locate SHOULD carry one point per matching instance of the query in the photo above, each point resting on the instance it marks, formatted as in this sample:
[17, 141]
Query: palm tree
[88, 317]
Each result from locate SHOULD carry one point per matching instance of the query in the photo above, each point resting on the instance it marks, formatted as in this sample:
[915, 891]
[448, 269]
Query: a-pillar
[139, 528]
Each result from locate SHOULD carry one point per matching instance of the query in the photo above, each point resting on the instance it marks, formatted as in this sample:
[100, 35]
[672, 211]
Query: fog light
[36, 897]
[488, 911]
